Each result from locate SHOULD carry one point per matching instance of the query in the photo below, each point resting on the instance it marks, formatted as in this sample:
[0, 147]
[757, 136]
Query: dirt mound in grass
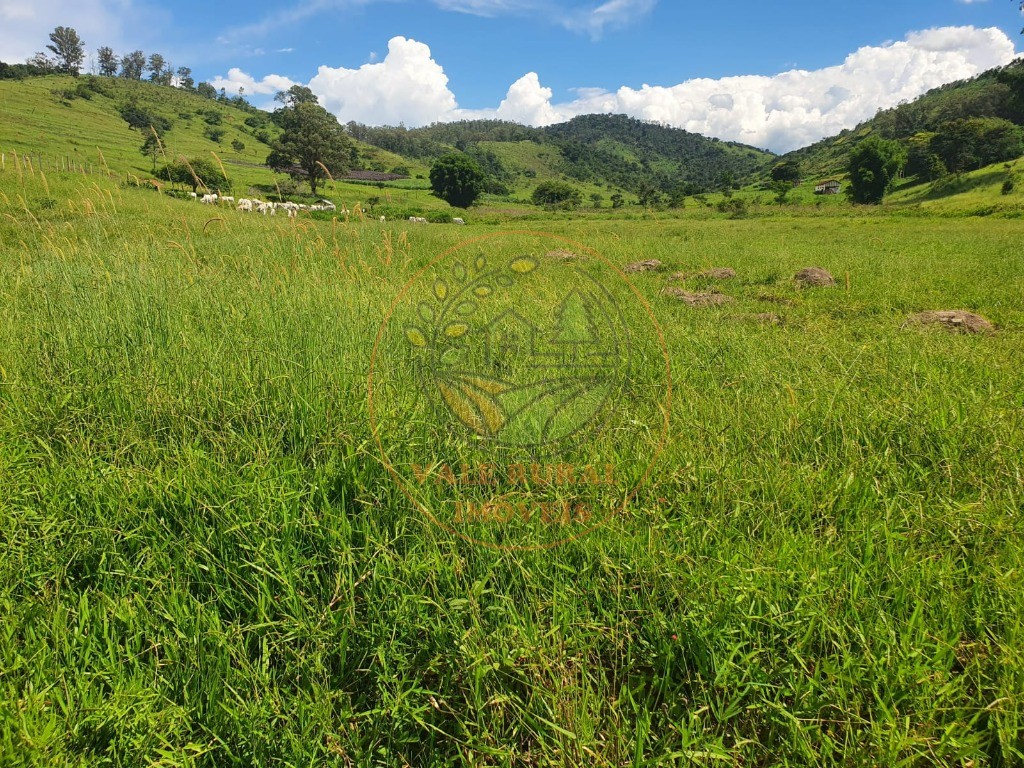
[649, 265]
[707, 299]
[954, 320]
[715, 273]
[814, 277]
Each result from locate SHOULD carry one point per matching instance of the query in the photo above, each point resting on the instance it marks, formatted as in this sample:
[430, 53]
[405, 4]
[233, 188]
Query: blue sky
[711, 66]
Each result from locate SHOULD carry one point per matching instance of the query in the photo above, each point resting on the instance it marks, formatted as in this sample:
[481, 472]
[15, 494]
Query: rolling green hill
[58, 118]
[997, 93]
[606, 151]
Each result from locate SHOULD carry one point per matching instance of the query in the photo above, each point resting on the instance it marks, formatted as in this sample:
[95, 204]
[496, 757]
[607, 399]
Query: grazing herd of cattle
[292, 209]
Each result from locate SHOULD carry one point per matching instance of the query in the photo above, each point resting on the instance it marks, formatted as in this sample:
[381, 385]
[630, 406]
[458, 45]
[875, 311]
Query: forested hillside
[934, 125]
[601, 149]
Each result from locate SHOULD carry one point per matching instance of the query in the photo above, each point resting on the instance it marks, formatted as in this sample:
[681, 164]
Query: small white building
[830, 187]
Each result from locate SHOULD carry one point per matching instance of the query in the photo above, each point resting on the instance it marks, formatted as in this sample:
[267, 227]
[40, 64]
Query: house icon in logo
[510, 335]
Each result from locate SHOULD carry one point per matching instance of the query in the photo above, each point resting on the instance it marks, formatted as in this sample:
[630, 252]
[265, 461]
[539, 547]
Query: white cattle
[457, 220]
[209, 199]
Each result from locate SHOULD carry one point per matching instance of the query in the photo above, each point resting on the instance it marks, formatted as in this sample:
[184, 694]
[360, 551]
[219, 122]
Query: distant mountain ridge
[614, 150]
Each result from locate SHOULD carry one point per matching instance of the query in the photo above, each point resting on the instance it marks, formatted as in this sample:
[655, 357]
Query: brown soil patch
[954, 320]
[650, 265]
[709, 299]
[815, 277]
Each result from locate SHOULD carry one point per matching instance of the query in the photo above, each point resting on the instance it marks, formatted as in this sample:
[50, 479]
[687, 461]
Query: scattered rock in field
[814, 277]
[708, 299]
[954, 320]
[562, 255]
[715, 273]
[650, 265]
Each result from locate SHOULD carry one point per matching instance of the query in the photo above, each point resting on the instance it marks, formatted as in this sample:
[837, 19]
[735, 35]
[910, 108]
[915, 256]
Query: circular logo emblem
[519, 390]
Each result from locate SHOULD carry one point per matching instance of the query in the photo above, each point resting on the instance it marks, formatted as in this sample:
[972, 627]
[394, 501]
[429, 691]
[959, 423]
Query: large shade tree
[457, 179]
[874, 167]
[107, 61]
[69, 49]
[312, 142]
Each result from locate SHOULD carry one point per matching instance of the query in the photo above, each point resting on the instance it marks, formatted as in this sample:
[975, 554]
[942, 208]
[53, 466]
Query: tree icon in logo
[513, 359]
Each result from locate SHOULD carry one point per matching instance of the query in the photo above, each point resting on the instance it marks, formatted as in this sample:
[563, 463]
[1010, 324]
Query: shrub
[237, 145]
[214, 134]
[735, 206]
[1008, 186]
[185, 173]
[558, 194]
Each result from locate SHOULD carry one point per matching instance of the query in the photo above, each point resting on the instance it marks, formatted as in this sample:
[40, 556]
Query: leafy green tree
[788, 170]
[311, 144]
[553, 193]
[297, 94]
[214, 133]
[617, 200]
[132, 65]
[781, 188]
[141, 119]
[457, 179]
[69, 49]
[185, 78]
[156, 67]
[194, 173]
[874, 167]
[206, 90]
[648, 195]
[237, 145]
[966, 145]
[596, 198]
[43, 63]
[106, 59]
[151, 148]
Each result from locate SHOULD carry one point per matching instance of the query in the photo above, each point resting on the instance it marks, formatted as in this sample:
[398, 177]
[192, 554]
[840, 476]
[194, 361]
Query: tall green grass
[203, 561]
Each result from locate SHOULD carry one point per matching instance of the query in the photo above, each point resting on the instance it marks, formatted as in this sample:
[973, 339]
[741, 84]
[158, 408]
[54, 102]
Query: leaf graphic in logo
[481, 262]
[426, 312]
[456, 330]
[466, 308]
[473, 401]
[459, 271]
[483, 291]
[415, 336]
[441, 290]
[524, 265]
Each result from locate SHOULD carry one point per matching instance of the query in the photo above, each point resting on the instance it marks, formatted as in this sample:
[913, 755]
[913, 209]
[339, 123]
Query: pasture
[204, 562]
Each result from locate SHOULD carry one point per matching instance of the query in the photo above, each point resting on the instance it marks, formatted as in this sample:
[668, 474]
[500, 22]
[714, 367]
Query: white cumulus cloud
[25, 25]
[407, 86]
[237, 79]
[781, 112]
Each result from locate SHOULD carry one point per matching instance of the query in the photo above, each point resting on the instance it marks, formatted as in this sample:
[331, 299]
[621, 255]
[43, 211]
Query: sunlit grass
[204, 562]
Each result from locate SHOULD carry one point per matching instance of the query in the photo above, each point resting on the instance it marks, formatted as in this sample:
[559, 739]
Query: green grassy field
[36, 122]
[204, 562]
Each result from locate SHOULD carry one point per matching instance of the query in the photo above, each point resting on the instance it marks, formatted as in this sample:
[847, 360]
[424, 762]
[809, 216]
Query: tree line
[65, 54]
